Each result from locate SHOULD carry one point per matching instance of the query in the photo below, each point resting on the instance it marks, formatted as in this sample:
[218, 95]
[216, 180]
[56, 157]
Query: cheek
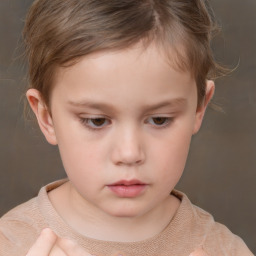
[173, 150]
[76, 148]
[81, 159]
[170, 157]
[83, 168]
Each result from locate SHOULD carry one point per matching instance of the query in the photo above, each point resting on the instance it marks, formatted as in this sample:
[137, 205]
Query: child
[120, 86]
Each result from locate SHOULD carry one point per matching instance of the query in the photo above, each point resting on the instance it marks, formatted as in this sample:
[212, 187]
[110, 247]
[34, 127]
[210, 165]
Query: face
[123, 122]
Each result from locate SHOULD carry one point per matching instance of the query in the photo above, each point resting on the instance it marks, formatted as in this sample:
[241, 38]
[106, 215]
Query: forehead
[132, 75]
[153, 56]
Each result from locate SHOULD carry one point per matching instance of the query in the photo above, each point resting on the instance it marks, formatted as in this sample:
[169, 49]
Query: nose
[128, 148]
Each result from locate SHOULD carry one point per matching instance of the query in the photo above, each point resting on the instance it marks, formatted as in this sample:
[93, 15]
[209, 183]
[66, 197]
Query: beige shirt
[192, 232]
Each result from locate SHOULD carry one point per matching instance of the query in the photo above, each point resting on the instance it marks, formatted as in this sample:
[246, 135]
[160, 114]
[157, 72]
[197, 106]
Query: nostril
[128, 150]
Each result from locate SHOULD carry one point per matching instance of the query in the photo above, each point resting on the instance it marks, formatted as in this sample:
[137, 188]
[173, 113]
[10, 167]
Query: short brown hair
[58, 32]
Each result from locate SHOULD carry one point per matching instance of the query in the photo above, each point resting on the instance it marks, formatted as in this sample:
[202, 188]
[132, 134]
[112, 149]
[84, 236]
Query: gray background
[220, 173]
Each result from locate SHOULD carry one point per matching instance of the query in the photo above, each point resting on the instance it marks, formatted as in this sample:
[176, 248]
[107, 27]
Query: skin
[49, 244]
[117, 116]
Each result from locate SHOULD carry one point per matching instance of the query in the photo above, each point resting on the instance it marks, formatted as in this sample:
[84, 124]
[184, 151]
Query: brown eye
[95, 123]
[159, 120]
[98, 121]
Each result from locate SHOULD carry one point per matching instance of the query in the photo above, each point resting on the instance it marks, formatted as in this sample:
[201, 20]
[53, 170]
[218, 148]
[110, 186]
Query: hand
[49, 244]
[199, 252]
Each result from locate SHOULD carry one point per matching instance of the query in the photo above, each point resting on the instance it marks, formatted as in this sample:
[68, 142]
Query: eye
[159, 121]
[95, 123]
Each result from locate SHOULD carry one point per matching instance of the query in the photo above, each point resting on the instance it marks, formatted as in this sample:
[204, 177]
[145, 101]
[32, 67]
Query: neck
[91, 222]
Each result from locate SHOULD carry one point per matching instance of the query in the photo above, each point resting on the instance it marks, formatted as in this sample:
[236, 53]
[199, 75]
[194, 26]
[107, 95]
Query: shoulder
[19, 228]
[217, 238]
[221, 238]
[208, 235]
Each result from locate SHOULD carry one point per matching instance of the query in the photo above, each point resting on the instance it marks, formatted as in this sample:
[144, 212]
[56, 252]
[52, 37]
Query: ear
[43, 115]
[209, 91]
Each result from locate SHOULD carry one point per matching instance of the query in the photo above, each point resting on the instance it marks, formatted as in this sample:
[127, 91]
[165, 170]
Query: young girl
[120, 86]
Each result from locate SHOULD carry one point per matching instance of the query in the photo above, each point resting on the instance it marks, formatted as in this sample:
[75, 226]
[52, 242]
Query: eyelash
[167, 121]
[86, 122]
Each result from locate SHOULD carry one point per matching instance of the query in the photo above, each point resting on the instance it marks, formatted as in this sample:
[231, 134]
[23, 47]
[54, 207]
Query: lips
[128, 183]
[128, 188]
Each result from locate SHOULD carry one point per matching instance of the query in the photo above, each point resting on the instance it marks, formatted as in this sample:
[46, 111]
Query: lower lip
[128, 191]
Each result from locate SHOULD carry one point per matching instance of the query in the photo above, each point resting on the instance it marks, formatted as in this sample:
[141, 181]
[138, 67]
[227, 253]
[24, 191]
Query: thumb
[71, 248]
[43, 244]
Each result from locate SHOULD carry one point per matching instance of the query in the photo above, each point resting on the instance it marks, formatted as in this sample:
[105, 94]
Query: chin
[125, 212]
[123, 215]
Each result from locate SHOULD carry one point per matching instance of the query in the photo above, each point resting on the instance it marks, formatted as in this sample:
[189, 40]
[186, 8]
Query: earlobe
[43, 115]
[210, 87]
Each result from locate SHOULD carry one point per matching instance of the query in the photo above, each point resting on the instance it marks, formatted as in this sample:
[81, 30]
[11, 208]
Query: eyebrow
[177, 102]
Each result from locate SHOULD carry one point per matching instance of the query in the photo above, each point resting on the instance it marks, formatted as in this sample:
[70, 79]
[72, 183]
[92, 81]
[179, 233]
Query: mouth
[128, 188]
[128, 183]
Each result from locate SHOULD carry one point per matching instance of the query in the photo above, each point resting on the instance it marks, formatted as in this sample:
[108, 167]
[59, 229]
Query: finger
[57, 251]
[43, 244]
[71, 248]
[199, 252]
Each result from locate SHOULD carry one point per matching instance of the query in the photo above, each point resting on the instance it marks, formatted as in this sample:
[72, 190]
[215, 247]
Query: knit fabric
[191, 232]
